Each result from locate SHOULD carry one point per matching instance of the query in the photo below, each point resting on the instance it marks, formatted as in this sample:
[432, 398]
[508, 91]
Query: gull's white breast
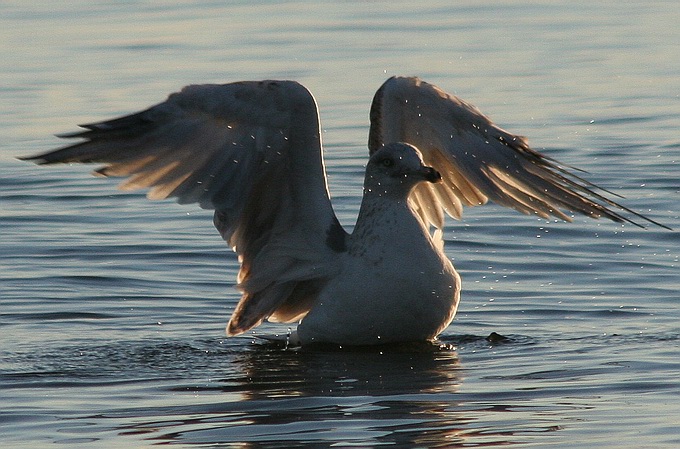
[395, 285]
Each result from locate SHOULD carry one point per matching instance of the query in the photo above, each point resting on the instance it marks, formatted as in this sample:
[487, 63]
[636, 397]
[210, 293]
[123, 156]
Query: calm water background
[113, 308]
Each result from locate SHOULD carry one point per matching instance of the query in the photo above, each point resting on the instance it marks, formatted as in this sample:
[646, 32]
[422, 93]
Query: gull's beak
[430, 174]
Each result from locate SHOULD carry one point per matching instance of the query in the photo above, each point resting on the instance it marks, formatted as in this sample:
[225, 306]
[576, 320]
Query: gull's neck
[384, 221]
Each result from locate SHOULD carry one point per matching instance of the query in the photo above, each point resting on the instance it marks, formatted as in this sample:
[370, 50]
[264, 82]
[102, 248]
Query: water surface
[113, 308]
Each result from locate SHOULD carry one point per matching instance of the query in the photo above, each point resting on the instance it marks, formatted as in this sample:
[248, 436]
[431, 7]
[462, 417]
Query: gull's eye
[387, 162]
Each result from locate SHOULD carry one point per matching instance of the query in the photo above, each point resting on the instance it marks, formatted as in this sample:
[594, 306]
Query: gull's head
[395, 169]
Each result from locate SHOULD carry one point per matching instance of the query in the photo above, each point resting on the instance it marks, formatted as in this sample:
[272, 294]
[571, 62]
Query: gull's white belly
[408, 296]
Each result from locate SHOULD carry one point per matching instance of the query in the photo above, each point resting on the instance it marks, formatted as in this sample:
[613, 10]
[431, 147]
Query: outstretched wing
[478, 161]
[249, 150]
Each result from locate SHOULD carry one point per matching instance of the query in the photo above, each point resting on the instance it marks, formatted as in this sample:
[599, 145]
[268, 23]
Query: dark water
[113, 308]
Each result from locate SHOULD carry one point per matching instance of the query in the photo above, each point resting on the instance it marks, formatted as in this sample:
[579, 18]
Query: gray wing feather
[479, 161]
[249, 150]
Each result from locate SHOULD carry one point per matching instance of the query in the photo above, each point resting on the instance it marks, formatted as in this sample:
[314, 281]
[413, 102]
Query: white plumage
[252, 152]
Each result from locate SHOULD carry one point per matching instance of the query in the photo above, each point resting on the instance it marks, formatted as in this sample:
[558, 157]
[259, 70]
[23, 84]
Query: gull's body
[252, 152]
[391, 273]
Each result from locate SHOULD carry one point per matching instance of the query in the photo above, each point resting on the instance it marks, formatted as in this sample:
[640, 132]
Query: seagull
[251, 151]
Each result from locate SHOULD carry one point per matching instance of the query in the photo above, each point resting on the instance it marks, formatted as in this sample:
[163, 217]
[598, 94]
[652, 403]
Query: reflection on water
[268, 395]
[373, 371]
[243, 393]
[332, 396]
